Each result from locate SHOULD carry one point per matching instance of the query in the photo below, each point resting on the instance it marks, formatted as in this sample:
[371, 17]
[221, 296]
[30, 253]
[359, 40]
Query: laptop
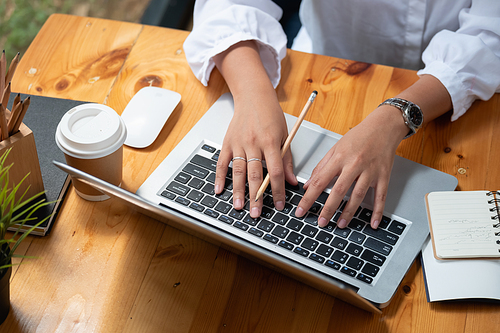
[357, 264]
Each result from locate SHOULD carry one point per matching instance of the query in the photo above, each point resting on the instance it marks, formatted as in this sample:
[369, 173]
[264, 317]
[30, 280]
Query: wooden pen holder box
[25, 159]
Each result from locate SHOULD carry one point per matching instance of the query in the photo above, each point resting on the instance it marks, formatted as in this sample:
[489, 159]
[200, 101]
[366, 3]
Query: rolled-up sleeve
[467, 61]
[219, 24]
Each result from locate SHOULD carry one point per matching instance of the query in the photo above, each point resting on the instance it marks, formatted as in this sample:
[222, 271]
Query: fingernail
[218, 189]
[299, 212]
[279, 205]
[238, 204]
[322, 221]
[255, 212]
[375, 224]
[342, 223]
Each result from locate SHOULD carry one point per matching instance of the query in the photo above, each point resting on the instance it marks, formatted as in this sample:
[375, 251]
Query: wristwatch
[412, 115]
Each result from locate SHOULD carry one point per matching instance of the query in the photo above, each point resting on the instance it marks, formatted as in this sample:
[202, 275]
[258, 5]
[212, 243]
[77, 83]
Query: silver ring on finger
[238, 158]
[254, 159]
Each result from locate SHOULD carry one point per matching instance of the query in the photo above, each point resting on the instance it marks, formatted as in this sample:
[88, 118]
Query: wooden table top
[106, 268]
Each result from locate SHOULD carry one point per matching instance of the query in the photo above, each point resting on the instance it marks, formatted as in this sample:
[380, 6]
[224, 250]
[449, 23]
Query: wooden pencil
[3, 66]
[289, 139]
[14, 115]
[12, 69]
[6, 95]
[3, 123]
[19, 120]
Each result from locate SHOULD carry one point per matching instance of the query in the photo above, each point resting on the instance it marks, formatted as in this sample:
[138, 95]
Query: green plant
[14, 213]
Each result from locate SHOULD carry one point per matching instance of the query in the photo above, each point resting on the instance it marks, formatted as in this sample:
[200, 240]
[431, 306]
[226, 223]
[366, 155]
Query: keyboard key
[354, 249]
[288, 195]
[355, 263]
[339, 243]
[332, 264]
[348, 271]
[292, 214]
[301, 251]
[296, 199]
[397, 227]
[380, 234]
[315, 208]
[211, 178]
[204, 162]
[267, 213]
[208, 189]
[325, 250]
[250, 220]
[287, 209]
[224, 196]
[168, 195]
[378, 246]
[309, 231]
[268, 201]
[330, 226]
[265, 225]
[223, 207]
[373, 257]
[208, 148]
[182, 177]
[196, 183]
[256, 232]
[241, 225]
[295, 238]
[357, 237]
[364, 278]
[280, 231]
[196, 171]
[311, 219]
[370, 269]
[280, 218]
[209, 202]
[310, 244]
[182, 201]
[366, 215]
[178, 188]
[211, 213]
[324, 237]
[317, 258]
[356, 224]
[271, 238]
[195, 195]
[237, 214]
[340, 256]
[226, 219]
[384, 223]
[286, 245]
[295, 224]
[342, 232]
[197, 207]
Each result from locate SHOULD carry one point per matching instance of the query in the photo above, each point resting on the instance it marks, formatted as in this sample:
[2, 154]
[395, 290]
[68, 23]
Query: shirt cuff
[451, 81]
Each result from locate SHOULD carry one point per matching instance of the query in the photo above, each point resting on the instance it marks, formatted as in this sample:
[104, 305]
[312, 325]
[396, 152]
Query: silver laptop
[357, 264]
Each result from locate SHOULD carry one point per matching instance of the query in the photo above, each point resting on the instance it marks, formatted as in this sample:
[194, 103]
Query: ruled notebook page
[461, 224]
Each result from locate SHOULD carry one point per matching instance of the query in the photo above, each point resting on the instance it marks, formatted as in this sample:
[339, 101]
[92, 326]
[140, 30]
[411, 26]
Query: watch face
[415, 116]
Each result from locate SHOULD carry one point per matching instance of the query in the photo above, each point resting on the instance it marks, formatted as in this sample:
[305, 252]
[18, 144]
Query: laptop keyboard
[357, 250]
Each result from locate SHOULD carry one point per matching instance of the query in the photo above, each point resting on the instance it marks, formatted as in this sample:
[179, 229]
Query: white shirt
[457, 41]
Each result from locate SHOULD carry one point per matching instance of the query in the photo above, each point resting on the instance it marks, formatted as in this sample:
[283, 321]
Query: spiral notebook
[464, 224]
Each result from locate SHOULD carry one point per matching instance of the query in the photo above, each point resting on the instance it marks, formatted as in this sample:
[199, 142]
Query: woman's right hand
[257, 131]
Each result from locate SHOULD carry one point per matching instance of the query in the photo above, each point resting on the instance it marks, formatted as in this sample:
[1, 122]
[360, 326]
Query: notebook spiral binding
[495, 201]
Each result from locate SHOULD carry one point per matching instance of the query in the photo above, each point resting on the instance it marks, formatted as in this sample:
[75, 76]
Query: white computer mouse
[146, 114]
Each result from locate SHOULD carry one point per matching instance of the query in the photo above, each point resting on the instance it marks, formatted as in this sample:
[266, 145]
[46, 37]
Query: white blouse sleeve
[219, 24]
[467, 62]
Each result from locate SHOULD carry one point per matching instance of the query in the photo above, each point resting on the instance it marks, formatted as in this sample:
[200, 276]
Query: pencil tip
[315, 92]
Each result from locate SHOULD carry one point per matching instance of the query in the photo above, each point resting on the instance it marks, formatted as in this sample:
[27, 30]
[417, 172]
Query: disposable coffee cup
[91, 136]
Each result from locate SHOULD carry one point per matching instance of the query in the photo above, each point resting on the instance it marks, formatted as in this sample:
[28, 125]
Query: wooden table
[105, 268]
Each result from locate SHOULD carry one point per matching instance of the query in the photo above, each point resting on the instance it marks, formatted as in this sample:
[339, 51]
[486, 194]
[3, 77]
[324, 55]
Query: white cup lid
[90, 131]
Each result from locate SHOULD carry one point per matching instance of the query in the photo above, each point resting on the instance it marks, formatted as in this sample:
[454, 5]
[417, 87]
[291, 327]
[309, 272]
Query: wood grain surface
[106, 268]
